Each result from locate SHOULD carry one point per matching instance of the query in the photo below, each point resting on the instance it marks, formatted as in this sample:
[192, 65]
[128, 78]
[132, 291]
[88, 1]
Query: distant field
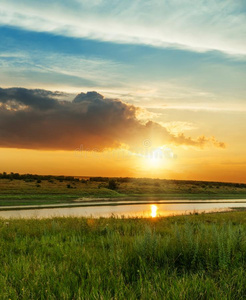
[185, 257]
[48, 191]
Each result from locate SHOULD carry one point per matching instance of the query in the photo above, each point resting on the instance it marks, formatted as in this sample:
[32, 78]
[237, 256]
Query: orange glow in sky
[86, 94]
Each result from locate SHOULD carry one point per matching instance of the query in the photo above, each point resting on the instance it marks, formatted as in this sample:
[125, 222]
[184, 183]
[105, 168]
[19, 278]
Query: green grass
[20, 192]
[185, 257]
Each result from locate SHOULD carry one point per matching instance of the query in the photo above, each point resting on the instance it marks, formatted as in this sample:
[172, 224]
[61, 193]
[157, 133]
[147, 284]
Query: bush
[112, 184]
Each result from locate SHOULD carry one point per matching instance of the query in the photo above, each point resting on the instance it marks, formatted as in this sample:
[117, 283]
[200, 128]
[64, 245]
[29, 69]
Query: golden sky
[158, 91]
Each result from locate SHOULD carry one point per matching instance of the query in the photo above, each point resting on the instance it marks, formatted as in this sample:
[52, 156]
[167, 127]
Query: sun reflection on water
[154, 209]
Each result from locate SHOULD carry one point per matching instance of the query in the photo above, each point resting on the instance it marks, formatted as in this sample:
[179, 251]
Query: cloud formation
[40, 119]
[199, 25]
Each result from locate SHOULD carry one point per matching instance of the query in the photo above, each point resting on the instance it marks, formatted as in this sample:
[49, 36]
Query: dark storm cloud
[40, 99]
[36, 119]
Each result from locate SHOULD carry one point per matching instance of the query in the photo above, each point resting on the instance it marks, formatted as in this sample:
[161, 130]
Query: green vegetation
[185, 257]
[16, 189]
[112, 184]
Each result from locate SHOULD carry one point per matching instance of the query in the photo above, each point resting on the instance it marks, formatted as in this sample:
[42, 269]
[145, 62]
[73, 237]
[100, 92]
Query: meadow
[184, 257]
[35, 189]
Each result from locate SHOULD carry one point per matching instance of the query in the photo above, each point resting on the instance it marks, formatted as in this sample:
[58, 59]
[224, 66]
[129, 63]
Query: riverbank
[45, 192]
[183, 257]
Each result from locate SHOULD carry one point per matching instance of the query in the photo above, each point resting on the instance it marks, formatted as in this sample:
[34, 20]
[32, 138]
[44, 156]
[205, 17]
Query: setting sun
[122, 124]
[155, 158]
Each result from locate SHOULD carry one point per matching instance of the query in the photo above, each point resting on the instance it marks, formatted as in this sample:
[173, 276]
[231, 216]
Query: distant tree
[112, 184]
[69, 186]
[16, 176]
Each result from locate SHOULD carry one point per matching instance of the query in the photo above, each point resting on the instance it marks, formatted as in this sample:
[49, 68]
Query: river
[126, 210]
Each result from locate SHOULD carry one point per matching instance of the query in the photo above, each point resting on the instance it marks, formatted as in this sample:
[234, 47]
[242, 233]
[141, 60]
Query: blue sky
[182, 61]
[158, 23]
[177, 53]
[41, 59]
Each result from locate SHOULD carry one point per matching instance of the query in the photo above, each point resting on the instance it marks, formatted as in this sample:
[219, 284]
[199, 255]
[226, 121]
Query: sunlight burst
[155, 158]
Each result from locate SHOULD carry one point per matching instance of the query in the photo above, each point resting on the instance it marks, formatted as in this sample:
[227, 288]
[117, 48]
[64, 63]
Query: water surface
[136, 210]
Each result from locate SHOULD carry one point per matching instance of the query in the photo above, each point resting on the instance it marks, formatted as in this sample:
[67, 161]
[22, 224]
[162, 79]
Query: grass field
[185, 257]
[24, 192]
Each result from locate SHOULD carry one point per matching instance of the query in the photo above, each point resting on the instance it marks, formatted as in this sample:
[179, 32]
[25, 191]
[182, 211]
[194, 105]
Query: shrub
[112, 184]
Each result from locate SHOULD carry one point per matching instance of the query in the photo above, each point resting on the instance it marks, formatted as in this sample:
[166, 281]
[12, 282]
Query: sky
[124, 88]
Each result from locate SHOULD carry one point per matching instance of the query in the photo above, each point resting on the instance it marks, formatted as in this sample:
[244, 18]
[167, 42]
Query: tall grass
[188, 257]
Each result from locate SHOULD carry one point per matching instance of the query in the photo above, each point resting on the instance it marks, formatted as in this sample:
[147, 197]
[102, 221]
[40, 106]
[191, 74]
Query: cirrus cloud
[197, 25]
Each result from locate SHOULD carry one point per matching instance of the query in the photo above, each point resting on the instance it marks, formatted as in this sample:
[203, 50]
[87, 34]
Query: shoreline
[116, 202]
